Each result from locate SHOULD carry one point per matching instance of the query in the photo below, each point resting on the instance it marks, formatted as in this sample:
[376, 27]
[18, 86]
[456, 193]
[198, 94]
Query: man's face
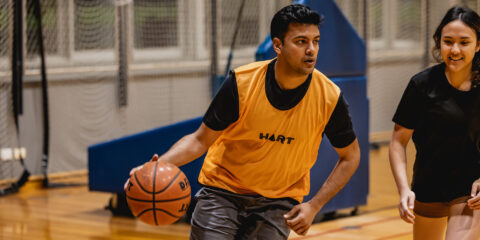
[299, 48]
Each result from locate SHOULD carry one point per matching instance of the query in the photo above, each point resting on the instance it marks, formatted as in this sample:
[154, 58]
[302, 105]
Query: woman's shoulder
[428, 76]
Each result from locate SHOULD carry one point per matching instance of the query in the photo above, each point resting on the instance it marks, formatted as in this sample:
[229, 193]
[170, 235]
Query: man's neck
[288, 79]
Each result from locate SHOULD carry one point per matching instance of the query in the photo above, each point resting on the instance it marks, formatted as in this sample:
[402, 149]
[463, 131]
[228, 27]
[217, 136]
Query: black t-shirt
[443, 118]
[224, 109]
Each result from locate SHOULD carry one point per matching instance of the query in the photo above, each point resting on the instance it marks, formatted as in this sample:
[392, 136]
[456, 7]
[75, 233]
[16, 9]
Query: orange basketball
[158, 193]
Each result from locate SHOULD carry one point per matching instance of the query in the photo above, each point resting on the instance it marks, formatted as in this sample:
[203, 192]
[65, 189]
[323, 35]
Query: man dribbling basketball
[262, 132]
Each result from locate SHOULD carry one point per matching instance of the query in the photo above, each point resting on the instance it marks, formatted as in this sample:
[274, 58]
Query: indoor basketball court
[90, 89]
[74, 212]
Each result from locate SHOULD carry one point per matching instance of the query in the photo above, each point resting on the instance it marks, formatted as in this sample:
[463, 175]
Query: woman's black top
[446, 124]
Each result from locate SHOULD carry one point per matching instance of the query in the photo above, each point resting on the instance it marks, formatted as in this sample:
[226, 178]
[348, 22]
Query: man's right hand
[154, 158]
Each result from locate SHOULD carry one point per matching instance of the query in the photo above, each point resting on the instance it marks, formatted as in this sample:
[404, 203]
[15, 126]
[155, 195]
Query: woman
[438, 111]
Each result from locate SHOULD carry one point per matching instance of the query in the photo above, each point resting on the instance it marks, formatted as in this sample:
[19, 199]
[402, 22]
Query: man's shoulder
[323, 80]
[320, 75]
[252, 66]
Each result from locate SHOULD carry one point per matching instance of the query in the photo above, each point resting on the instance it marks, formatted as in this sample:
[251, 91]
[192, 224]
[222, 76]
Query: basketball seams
[153, 192]
[158, 201]
[157, 209]
[154, 177]
[139, 184]
[170, 183]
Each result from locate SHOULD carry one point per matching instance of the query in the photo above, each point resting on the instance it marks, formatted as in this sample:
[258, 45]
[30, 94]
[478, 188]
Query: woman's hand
[405, 207]
[474, 202]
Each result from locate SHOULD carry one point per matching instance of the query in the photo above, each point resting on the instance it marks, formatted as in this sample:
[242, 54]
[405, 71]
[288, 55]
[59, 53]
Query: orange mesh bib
[269, 151]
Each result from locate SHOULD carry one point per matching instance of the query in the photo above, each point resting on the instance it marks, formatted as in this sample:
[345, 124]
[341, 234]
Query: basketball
[158, 193]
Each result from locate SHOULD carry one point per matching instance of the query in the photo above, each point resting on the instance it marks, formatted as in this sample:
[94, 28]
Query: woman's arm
[398, 162]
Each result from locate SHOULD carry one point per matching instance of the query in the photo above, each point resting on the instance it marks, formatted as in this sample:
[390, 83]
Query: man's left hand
[300, 218]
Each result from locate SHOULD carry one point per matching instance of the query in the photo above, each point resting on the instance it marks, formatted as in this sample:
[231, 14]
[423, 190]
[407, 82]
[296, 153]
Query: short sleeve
[409, 110]
[223, 109]
[339, 129]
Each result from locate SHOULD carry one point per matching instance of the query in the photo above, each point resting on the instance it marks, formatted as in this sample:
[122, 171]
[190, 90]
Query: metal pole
[46, 121]
[17, 59]
[232, 46]
[426, 54]
[365, 21]
[365, 34]
[213, 50]
[122, 18]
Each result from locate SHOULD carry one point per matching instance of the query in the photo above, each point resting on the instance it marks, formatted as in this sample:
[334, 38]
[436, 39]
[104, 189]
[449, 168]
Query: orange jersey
[268, 151]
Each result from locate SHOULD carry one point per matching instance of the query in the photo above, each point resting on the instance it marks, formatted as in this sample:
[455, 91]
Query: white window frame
[192, 49]
[141, 55]
[245, 52]
[388, 40]
[348, 5]
[387, 46]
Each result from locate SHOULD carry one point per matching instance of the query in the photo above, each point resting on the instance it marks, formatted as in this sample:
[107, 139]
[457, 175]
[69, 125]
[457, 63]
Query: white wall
[85, 112]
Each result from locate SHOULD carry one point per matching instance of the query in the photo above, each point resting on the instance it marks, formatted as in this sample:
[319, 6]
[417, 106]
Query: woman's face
[458, 45]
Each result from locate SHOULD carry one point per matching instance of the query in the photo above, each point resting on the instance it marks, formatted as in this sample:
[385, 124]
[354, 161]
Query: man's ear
[277, 45]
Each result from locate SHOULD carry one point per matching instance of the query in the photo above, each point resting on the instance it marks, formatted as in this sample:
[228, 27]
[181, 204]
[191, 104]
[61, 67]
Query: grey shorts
[220, 215]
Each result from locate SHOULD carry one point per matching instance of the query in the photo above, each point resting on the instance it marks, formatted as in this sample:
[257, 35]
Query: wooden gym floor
[71, 213]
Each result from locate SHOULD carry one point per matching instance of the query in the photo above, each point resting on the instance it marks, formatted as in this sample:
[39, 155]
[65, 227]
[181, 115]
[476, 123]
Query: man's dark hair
[295, 13]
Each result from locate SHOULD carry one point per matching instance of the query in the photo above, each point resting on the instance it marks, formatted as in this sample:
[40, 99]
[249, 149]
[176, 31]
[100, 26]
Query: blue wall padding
[341, 51]
[110, 162]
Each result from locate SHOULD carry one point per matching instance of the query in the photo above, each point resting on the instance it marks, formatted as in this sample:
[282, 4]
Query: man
[262, 132]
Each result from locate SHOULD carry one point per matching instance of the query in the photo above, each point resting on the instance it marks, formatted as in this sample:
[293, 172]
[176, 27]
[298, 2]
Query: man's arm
[222, 112]
[349, 158]
[191, 146]
[300, 218]
[188, 148]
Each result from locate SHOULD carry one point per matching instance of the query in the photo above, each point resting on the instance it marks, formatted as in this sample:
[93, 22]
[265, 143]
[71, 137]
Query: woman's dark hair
[295, 13]
[469, 18]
